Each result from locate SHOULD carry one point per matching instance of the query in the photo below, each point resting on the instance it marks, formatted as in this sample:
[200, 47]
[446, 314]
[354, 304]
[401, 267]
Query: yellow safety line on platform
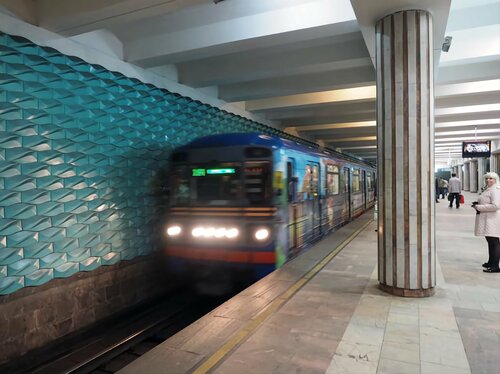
[278, 302]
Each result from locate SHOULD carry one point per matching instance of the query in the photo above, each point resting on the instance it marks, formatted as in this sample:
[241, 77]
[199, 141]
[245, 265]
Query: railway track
[119, 344]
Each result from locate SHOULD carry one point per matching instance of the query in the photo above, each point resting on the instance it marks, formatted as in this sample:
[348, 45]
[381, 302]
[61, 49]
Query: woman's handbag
[450, 197]
[462, 199]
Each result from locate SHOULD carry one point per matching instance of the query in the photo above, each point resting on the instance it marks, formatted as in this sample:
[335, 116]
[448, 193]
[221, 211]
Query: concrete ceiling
[305, 65]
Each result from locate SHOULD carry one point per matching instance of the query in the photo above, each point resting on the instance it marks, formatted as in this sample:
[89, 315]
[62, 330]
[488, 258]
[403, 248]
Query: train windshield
[231, 184]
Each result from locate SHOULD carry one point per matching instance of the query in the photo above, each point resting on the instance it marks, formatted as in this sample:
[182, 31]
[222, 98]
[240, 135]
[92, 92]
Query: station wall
[83, 158]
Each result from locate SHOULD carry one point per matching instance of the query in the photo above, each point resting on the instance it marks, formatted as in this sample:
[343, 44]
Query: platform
[324, 313]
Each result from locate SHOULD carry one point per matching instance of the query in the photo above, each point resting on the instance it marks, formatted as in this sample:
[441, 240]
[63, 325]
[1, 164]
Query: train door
[347, 192]
[292, 182]
[364, 188]
[331, 189]
[316, 199]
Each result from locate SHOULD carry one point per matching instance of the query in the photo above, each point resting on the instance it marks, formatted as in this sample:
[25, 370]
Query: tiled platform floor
[340, 322]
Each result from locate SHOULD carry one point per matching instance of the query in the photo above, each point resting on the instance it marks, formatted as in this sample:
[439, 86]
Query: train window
[332, 179]
[315, 180]
[310, 185]
[369, 180]
[180, 186]
[257, 182]
[356, 185]
[346, 179]
[179, 157]
[253, 152]
[306, 184]
[217, 184]
[292, 184]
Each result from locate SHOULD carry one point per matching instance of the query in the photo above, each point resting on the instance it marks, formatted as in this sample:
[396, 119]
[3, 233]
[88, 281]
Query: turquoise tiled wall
[82, 152]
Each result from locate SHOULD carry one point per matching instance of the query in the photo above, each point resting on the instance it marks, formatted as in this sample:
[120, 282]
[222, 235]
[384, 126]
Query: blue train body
[250, 201]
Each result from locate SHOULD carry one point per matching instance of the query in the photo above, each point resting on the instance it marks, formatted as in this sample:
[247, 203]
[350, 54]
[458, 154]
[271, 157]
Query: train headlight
[262, 234]
[174, 230]
[214, 232]
[197, 232]
[232, 233]
[220, 232]
[209, 232]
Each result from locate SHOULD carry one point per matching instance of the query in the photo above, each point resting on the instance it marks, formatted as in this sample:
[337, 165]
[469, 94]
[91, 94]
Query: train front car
[223, 215]
[243, 204]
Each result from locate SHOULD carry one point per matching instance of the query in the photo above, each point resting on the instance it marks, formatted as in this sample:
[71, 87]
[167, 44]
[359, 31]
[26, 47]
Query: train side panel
[316, 195]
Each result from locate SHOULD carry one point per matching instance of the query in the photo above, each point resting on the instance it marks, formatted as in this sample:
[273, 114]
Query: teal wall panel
[82, 152]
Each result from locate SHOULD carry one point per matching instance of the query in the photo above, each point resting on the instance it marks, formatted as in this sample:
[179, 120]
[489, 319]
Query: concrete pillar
[494, 163]
[460, 174]
[481, 170]
[473, 165]
[466, 180]
[405, 155]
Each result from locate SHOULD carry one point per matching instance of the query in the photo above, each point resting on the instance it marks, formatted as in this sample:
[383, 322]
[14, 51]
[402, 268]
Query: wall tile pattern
[83, 153]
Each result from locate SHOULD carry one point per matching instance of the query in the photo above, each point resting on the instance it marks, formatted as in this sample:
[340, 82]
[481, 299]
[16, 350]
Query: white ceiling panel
[305, 65]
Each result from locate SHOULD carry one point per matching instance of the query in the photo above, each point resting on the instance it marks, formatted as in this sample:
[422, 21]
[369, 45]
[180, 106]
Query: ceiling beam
[322, 55]
[459, 139]
[313, 117]
[334, 126]
[337, 112]
[350, 139]
[324, 97]
[251, 23]
[472, 16]
[476, 98]
[491, 121]
[342, 133]
[469, 128]
[351, 76]
[73, 17]
[470, 70]
[446, 90]
[362, 147]
[22, 9]
[468, 116]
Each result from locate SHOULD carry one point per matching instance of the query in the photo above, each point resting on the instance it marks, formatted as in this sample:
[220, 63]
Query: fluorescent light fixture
[479, 122]
[468, 132]
[467, 109]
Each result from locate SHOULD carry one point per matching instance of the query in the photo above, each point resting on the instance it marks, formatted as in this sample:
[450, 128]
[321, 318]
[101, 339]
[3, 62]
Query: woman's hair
[493, 175]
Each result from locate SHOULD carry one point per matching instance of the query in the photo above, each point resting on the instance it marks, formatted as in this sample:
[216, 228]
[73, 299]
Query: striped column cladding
[83, 157]
[474, 167]
[481, 170]
[495, 162]
[466, 180]
[460, 174]
[405, 141]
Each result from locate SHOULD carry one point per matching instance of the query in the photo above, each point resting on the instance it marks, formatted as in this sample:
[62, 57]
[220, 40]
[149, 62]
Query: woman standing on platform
[488, 220]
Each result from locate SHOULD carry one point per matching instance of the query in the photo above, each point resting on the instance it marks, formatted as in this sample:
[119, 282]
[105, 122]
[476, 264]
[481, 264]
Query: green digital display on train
[220, 171]
[199, 172]
[204, 172]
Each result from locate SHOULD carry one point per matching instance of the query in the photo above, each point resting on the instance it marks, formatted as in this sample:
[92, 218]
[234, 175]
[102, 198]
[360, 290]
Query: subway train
[245, 203]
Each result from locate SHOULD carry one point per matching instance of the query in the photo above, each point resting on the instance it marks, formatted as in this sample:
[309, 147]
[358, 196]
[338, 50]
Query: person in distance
[488, 220]
[454, 189]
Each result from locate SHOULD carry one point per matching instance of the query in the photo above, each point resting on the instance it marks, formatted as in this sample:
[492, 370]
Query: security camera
[447, 43]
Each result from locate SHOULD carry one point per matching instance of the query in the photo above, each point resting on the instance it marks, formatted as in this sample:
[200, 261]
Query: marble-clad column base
[403, 292]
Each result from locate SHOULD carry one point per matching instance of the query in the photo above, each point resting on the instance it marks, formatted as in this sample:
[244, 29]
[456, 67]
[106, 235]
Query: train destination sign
[204, 172]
